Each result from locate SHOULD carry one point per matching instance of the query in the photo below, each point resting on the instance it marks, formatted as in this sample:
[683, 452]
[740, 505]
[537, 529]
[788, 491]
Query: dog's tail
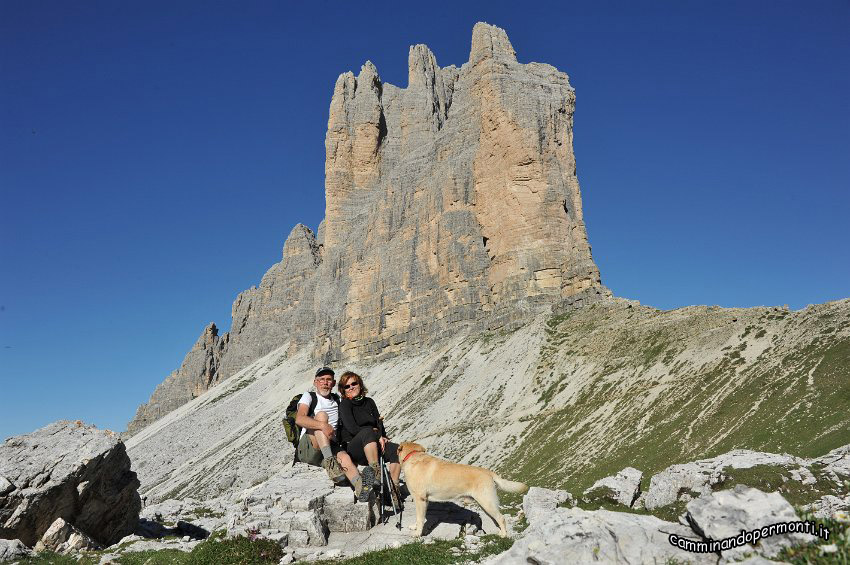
[510, 486]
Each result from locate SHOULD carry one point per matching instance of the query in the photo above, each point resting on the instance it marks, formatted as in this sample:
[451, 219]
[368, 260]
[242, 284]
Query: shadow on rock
[151, 529]
[449, 513]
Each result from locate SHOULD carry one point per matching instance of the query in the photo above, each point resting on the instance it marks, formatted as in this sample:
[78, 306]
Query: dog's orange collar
[406, 457]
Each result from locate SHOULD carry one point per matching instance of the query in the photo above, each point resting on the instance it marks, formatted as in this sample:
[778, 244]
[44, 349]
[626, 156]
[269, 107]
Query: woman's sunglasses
[352, 385]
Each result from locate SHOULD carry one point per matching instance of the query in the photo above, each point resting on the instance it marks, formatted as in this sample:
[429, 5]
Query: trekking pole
[390, 487]
[383, 518]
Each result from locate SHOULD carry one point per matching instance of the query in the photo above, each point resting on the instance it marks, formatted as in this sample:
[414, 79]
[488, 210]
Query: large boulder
[573, 535]
[342, 514]
[62, 537]
[541, 501]
[71, 471]
[624, 487]
[725, 514]
[12, 550]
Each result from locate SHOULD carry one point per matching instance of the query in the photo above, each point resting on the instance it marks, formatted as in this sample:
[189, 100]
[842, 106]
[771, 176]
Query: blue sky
[154, 156]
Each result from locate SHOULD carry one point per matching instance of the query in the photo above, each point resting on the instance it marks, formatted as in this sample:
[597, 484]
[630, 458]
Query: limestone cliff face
[452, 204]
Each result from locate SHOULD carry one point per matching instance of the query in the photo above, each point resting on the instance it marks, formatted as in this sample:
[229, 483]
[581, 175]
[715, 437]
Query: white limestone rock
[699, 476]
[342, 514]
[299, 539]
[62, 537]
[724, 514]
[310, 522]
[624, 487]
[836, 462]
[803, 475]
[827, 506]
[573, 535]
[541, 501]
[71, 471]
[13, 549]
[6, 486]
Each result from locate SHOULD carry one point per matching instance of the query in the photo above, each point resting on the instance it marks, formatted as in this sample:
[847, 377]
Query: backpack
[293, 430]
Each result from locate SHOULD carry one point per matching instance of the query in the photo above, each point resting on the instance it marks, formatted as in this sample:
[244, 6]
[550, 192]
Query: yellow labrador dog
[429, 478]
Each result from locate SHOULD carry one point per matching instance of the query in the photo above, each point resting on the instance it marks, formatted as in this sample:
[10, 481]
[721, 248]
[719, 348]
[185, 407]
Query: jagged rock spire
[489, 41]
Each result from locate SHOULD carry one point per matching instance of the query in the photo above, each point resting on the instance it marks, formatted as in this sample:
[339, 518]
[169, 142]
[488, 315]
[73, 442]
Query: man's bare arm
[308, 423]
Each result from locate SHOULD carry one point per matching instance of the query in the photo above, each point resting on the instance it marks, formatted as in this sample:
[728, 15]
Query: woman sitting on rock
[363, 430]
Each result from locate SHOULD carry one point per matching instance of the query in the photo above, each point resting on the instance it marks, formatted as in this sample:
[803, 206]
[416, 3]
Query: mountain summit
[450, 204]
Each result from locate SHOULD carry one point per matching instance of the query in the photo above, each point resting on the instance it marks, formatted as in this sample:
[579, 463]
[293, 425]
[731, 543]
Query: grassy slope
[642, 388]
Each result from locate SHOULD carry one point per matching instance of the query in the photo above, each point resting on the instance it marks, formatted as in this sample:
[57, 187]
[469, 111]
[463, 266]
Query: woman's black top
[357, 414]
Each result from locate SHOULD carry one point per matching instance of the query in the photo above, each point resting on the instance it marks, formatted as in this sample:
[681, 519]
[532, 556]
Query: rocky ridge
[451, 205]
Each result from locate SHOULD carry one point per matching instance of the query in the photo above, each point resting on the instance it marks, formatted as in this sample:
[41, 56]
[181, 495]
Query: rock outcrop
[724, 514]
[62, 537]
[451, 204]
[12, 550]
[624, 487]
[301, 510]
[70, 471]
[572, 535]
[199, 371]
[697, 477]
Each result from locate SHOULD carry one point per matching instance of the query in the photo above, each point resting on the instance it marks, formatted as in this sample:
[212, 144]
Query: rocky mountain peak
[490, 42]
[451, 205]
[301, 250]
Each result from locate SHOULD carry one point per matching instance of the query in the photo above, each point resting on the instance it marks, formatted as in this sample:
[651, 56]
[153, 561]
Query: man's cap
[324, 371]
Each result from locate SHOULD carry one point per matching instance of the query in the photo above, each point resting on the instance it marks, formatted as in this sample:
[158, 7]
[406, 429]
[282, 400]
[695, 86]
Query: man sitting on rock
[319, 443]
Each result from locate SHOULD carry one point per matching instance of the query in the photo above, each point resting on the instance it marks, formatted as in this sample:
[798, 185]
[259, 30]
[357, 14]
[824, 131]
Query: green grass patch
[204, 512]
[440, 552]
[50, 558]
[509, 502]
[774, 478]
[236, 551]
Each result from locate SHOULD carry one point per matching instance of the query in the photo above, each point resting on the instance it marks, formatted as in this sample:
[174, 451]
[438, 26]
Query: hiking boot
[395, 493]
[334, 469]
[367, 481]
[392, 498]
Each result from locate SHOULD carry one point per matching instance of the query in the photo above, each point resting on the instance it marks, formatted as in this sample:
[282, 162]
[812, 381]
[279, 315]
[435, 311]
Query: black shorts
[363, 438]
